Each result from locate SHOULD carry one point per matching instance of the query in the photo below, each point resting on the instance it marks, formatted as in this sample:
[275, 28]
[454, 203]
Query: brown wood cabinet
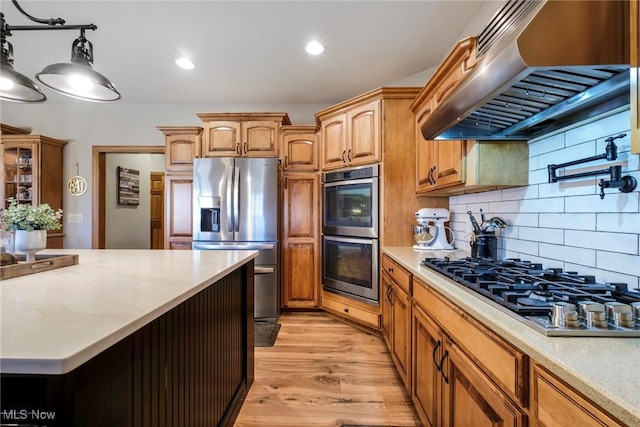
[350, 309]
[300, 148]
[182, 145]
[300, 243]
[32, 172]
[556, 403]
[635, 76]
[350, 135]
[242, 134]
[178, 211]
[463, 375]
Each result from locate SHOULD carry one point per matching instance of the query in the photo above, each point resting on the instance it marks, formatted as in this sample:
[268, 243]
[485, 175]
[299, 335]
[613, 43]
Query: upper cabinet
[300, 148]
[242, 134]
[182, 145]
[635, 76]
[350, 134]
[446, 167]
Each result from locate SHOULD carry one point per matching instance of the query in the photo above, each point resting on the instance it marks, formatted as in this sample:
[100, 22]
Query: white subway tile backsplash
[614, 242]
[613, 202]
[618, 222]
[542, 205]
[521, 246]
[568, 221]
[575, 255]
[546, 145]
[546, 235]
[566, 224]
[613, 261]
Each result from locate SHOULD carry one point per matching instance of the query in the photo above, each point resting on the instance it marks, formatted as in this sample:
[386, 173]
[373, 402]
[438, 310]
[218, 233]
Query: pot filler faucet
[625, 184]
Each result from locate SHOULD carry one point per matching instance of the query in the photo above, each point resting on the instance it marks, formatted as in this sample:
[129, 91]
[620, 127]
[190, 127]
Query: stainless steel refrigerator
[235, 206]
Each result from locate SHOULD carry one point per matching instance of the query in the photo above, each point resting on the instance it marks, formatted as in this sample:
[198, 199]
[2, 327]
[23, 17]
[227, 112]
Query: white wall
[128, 227]
[566, 224]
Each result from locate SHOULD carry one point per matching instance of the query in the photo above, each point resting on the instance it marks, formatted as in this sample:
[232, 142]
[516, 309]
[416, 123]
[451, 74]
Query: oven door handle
[350, 182]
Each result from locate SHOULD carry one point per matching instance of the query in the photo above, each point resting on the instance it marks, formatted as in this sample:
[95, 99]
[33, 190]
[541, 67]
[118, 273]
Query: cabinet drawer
[401, 276]
[505, 365]
[555, 403]
[350, 309]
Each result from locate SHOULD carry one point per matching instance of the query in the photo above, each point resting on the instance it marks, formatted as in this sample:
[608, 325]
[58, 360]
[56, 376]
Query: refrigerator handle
[229, 204]
[236, 198]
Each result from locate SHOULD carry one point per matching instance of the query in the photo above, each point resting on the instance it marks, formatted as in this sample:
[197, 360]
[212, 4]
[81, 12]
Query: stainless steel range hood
[542, 65]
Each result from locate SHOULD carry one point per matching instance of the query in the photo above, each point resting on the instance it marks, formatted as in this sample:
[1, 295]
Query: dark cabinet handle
[444, 356]
[343, 153]
[346, 310]
[245, 147]
[286, 182]
[238, 148]
[390, 269]
[286, 162]
[435, 349]
[349, 154]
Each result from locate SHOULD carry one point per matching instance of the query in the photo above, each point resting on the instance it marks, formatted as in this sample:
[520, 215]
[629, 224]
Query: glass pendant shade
[14, 86]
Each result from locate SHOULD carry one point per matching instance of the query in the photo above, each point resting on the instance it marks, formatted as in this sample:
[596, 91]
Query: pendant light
[76, 79]
[14, 86]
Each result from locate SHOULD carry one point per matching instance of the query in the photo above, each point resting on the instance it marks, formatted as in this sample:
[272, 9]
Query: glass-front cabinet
[32, 172]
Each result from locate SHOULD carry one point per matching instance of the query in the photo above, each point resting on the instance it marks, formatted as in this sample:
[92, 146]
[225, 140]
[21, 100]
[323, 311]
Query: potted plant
[30, 223]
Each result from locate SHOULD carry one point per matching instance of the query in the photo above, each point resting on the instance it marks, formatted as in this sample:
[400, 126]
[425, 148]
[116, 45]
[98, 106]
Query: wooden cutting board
[42, 263]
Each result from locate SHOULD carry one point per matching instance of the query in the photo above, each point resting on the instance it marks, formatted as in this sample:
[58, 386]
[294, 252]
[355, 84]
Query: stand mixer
[432, 237]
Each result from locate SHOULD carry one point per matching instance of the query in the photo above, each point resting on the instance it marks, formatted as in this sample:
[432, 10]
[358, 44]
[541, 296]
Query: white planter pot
[30, 242]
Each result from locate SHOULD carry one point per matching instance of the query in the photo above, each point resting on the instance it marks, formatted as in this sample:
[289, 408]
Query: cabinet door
[470, 399]
[260, 138]
[180, 150]
[450, 162]
[425, 164]
[300, 152]
[401, 337]
[363, 142]
[221, 139]
[386, 310]
[178, 208]
[301, 276]
[334, 142]
[427, 342]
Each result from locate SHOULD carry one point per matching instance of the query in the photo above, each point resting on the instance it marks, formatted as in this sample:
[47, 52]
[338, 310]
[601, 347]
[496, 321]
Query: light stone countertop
[54, 321]
[607, 370]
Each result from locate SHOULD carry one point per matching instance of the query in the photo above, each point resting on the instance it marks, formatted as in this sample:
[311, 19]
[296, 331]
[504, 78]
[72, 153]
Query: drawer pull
[346, 310]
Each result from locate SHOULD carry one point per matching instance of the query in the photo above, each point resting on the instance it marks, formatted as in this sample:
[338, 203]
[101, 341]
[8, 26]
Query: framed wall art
[128, 186]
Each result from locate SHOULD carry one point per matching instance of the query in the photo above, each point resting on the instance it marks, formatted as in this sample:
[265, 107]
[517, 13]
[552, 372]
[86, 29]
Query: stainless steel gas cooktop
[553, 302]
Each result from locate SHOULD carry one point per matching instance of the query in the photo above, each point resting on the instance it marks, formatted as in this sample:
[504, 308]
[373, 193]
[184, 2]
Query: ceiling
[244, 51]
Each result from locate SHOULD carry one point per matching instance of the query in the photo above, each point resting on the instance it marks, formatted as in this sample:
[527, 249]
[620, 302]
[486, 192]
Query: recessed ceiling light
[314, 48]
[184, 63]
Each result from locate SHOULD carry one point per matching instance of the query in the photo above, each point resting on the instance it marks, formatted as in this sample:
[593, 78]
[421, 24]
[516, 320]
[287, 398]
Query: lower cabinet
[448, 388]
[459, 372]
[350, 309]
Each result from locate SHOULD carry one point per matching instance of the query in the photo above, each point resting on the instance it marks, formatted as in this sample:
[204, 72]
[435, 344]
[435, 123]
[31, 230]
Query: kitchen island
[604, 370]
[129, 337]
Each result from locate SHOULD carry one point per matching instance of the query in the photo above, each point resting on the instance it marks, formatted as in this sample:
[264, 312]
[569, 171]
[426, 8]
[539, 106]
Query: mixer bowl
[423, 234]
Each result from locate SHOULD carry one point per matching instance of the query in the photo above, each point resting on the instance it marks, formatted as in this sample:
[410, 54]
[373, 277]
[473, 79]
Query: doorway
[99, 156]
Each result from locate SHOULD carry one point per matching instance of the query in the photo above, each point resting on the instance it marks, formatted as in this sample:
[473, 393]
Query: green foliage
[28, 217]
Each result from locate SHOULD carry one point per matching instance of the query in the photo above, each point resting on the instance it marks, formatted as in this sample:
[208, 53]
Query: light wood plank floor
[323, 372]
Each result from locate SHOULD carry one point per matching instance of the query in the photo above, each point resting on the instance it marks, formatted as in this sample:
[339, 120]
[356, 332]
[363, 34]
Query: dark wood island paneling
[192, 366]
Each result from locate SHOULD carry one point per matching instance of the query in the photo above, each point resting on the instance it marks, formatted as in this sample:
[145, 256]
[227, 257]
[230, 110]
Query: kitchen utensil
[482, 218]
[474, 223]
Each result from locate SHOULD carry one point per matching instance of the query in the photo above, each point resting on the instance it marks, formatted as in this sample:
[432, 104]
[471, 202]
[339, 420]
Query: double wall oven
[350, 232]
